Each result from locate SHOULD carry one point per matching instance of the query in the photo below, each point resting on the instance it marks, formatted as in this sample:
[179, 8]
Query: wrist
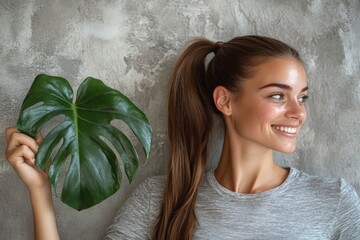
[43, 213]
[42, 194]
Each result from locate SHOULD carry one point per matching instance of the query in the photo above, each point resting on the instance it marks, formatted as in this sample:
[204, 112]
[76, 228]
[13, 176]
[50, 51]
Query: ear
[222, 97]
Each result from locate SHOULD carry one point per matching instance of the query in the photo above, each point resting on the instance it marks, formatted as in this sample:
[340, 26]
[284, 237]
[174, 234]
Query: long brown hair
[190, 119]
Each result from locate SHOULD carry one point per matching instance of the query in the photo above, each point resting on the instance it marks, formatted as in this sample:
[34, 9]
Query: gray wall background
[132, 45]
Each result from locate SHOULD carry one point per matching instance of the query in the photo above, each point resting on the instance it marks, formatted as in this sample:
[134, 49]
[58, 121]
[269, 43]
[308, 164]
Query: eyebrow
[283, 86]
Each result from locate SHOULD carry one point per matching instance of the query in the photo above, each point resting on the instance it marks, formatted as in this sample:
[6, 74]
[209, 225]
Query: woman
[258, 86]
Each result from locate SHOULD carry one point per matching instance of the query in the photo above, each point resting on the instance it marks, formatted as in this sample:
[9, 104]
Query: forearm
[44, 216]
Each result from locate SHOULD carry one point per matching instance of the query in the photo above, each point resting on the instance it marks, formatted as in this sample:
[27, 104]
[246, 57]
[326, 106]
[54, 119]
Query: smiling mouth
[290, 130]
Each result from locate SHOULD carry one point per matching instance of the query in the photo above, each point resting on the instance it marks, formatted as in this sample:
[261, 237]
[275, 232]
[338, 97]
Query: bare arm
[20, 153]
[44, 216]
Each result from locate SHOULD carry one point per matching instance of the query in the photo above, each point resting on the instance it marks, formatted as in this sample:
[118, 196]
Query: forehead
[285, 70]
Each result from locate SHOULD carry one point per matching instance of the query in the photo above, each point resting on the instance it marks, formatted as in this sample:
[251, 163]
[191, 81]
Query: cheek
[258, 118]
[269, 113]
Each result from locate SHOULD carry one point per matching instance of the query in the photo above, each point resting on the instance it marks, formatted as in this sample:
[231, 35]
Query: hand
[20, 153]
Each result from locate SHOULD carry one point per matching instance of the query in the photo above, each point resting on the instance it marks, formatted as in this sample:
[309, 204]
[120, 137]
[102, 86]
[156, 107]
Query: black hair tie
[217, 46]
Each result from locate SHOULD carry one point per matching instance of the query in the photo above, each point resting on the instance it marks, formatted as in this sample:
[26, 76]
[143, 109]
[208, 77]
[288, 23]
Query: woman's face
[270, 109]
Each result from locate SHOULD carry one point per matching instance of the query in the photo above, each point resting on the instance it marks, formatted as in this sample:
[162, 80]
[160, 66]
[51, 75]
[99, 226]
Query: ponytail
[189, 127]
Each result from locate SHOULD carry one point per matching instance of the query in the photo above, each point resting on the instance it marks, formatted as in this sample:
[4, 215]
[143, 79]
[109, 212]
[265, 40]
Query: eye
[303, 99]
[277, 96]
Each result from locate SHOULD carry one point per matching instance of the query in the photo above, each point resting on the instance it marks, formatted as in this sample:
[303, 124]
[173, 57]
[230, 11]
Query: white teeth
[285, 129]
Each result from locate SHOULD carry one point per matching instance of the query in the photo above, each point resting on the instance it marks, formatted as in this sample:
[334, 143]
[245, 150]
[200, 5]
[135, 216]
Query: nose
[296, 110]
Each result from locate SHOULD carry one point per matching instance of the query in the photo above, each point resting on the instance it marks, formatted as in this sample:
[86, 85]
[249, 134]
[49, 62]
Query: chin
[289, 149]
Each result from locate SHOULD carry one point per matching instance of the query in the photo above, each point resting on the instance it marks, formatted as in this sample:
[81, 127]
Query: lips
[285, 129]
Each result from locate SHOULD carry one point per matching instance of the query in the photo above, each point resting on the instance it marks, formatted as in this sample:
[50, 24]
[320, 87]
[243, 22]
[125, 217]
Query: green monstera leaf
[94, 172]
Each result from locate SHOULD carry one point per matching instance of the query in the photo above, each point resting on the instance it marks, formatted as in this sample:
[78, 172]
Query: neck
[247, 168]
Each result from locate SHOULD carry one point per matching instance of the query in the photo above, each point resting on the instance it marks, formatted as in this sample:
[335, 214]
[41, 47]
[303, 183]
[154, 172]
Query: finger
[9, 131]
[20, 154]
[39, 138]
[16, 139]
[30, 162]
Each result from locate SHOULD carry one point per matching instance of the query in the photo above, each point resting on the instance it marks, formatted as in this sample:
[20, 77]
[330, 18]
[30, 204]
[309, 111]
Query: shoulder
[153, 185]
[150, 190]
[146, 196]
[340, 199]
[327, 185]
[336, 197]
[136, 217]
[335, 191]
[154, 182]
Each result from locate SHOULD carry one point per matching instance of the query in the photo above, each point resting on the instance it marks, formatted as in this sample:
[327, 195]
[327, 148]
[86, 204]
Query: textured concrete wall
[132, 45]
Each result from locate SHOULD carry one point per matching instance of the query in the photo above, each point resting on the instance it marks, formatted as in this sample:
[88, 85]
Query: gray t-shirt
[303, 207]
